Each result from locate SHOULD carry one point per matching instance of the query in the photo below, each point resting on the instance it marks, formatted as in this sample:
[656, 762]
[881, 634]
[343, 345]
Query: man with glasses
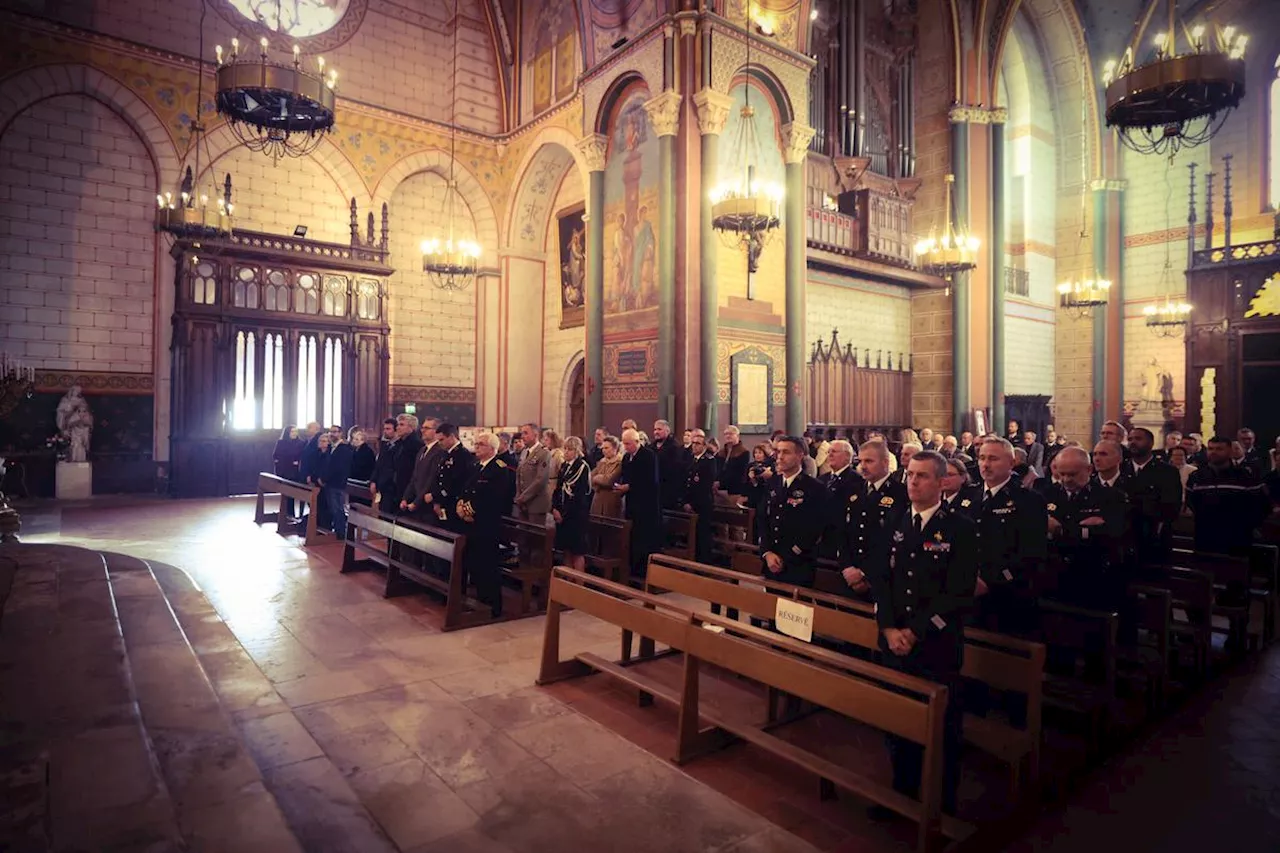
[482, 502]
[699, 493]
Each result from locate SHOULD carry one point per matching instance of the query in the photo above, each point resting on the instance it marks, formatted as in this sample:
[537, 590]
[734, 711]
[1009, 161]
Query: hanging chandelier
[954, 252]
[279, 109]
[450, 264]
[1167, 319]
[1078, 297]
[746, 212]
[190, 215]
[1169, 100]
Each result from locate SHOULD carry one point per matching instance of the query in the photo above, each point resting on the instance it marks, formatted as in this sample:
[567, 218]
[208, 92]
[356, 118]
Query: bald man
[1087, 527]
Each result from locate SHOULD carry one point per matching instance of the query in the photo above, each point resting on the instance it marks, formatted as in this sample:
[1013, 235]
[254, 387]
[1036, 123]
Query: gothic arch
[469, 189]
[565, 398]
[20, 91]
[613, 94]
[554, 151]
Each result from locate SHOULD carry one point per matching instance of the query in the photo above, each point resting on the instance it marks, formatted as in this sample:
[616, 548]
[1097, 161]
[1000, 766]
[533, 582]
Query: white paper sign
[794, 619]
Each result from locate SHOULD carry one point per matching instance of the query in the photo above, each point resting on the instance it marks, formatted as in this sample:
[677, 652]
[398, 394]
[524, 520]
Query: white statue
[75, 421]
[1156, 385]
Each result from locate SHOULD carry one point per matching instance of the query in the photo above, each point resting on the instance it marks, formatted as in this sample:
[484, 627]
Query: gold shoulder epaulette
[501, 464]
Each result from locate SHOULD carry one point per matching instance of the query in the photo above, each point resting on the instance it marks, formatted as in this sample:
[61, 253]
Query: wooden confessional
[270, 331]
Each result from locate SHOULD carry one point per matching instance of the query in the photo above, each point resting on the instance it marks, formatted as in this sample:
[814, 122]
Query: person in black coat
[382, 482]
[1013, 542]
[408, 444]
[451, 476]
[418, 498]
[638, 481]
[1154, 489]
[672, 465]
[486, 491]
[285, 459]
[699, 494]
[842, 482]
[922, 579]
[571, 504]
[333, 483]
[759, 476]
[1228, 502]
[505, 453]
[1087, 532]
[793, 518]
[310, 455]
[870, 513]
[363, 458]
[733, 460]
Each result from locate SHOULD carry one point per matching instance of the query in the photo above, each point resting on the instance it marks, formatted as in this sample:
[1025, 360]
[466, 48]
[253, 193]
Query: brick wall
[869, 316]
[76, 244]
[276, 197]
[396, 49]
[433, 332]
[559, 346]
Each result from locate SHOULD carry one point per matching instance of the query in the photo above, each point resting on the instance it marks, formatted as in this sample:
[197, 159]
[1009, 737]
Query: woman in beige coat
[607, 501]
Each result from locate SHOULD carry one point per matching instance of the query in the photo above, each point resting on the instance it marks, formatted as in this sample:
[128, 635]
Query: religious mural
[610, 20]
[573, 267]
[549, 42]
[631, 207]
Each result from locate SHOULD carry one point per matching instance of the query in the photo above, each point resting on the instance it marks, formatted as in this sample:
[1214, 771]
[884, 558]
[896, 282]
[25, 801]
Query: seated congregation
[1000, 624]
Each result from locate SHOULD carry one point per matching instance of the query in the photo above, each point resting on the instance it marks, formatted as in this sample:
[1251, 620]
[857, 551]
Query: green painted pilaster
[593, 149]
[960, 284]
[997, 275]
[796, 138]
[664, 116]
[1100, 314]
[713, 112]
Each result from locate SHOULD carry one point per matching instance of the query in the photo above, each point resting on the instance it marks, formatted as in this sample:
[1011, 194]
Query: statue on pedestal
[1157, 386]
[75, 421]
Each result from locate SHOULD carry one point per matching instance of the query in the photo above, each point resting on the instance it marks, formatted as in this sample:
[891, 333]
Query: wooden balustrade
[852, 387]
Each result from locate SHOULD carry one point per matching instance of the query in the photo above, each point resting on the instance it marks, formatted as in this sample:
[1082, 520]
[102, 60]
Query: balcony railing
[1017, 282]
[832, 231]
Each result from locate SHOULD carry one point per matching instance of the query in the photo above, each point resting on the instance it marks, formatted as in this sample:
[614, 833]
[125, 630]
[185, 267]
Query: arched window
[1273, 141]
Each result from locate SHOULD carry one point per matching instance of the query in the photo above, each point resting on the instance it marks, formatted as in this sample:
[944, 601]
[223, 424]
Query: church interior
[854, 222]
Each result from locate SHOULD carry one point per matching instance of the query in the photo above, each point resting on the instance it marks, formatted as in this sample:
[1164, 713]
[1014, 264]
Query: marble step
[317, 802]
[77, 769]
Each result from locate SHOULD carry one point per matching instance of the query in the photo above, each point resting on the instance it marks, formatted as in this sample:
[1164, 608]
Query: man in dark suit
[922, 581]
[1227, 500]
[1108, 464]
[700, 494]
[1015, 434]
[793, 517]
[1013, 542]
[407, 447]
[1087, 532]
[1115, 431]
[451, 476]
[484, 498]
[841, 483]
[596, 451]
[1154, 489]
[505, 453]
[965, 445]
[418, 498]
[1253, 459]
[638, 481]
[671, 465]
[870, 512]
[383, 479]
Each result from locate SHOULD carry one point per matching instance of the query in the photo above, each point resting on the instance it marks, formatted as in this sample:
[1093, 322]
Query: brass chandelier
[1168, 100]
[450, 264]
[1168, 317]
[190, 215]
[746, 212]
[1079, 296]
[278, 108]
[956, 251]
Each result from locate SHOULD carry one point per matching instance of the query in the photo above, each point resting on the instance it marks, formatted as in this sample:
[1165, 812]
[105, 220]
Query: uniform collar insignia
[965, 502]
[938, 536]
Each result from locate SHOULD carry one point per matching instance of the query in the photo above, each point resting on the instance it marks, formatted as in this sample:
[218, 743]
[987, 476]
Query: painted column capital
[713, 110]
[664, 113]
[1109, 185]
[795, 139]
[594, 148]
[964, 113]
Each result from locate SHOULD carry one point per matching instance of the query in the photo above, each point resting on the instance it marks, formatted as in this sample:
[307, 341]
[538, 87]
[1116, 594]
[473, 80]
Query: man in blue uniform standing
[793, 518]
[923, 584]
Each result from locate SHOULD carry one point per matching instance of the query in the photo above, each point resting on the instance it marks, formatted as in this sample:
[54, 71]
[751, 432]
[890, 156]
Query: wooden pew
[1148, 660]
[531, 565]
[270, 484]
[389, 539]
[1228, 572]
[731, 525]
[828, 577]
[1088, 639]
[890, 701]
[1004, 663]
[609, 546]
[358, 492]
[1191, 593]
[680, 533]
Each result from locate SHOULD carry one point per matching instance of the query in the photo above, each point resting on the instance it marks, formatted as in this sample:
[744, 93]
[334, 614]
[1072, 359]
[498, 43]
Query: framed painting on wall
[751, 390]
[573, 266]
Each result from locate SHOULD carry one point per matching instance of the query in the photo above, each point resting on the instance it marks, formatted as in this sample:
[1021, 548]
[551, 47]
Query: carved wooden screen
[850, 389]
[270, 332]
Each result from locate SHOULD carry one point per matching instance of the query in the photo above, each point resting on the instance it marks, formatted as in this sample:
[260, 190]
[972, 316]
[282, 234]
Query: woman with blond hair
[554, 445]
[607, 501]
[571, 504]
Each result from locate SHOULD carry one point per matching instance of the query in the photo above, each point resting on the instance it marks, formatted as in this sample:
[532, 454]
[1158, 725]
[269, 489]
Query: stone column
[593, 149]
[664, 115]
[795, 138]
[960, 282]
[1108, 323]
[997, 273]
[713, 112]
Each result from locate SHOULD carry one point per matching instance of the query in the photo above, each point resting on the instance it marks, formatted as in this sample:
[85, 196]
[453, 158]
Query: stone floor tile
[411, 803]
[511, 710]
[579, 748]
[471, 841]
[476, 683]
[362, 748]
[771, 840]
[323, 811]
[248, 822]
[102, 769]
[459, 746]
[538, 809]
[277, 740]
[202, 768]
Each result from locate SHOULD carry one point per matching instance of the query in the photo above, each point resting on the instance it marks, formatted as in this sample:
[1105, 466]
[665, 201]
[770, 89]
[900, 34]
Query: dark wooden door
[577, 404]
